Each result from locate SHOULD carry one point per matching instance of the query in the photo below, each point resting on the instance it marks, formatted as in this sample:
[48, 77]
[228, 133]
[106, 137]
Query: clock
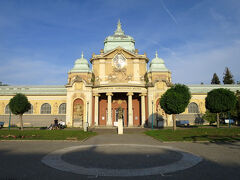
[119, 61]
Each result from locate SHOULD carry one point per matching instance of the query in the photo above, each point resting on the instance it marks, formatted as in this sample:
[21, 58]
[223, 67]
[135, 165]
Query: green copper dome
[157, 65]
[81, 65]
[119, 39]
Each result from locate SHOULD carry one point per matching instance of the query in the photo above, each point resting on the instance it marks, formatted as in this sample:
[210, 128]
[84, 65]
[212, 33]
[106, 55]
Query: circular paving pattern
[120, 160]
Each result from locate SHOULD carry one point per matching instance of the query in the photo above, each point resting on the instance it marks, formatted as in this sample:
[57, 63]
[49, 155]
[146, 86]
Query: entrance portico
[107, 104]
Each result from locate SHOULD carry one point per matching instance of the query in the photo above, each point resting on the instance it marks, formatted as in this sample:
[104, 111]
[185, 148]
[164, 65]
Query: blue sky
[40, 40]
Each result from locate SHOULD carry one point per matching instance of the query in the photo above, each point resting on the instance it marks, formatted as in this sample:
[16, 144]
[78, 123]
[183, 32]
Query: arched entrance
[78, 109]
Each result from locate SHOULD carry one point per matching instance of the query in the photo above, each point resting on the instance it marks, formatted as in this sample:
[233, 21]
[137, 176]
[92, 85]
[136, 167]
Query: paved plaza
[111, 156]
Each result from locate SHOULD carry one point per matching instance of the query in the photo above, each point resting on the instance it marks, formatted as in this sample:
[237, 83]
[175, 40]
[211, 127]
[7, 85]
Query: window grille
[7, 109]
[193, 108]
[46, 109]
[62, 108]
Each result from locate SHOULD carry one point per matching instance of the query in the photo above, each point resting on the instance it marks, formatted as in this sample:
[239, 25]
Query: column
[130, 112]
[109, 119]
[143, 109]
[96, 108]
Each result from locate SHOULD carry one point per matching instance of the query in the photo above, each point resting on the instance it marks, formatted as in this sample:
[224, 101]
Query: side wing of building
[47, 103]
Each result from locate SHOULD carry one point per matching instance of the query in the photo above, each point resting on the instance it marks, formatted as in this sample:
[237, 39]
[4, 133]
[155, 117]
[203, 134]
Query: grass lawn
[44, 134]
[197, 134]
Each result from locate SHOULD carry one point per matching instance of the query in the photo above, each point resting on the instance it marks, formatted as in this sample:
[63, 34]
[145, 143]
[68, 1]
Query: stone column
[130, 112]
[96, 108]
[143, 108]
[109, 119]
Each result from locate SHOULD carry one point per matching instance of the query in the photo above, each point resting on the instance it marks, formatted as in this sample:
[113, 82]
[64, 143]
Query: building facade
[118, 77]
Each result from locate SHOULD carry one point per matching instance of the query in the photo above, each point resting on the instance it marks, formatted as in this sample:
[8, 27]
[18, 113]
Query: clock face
[119, 61]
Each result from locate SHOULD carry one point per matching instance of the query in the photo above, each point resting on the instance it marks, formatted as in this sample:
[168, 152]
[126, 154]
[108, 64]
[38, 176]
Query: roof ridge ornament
[82, 55]
[119, 30]
[156, 54]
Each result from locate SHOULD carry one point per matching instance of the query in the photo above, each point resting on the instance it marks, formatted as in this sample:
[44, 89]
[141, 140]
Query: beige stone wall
[85, 76]
[199, 99]
[37, 101]
[159, 76]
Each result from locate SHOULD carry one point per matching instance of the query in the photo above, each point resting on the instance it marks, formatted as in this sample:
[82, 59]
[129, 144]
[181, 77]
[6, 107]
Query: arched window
[62, 108]
[193, 108]
[30, 111]
[46, 109]
[7, 109]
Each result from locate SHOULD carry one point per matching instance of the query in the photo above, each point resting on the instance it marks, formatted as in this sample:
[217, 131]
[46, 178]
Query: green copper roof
[119, 39]
[205, 88]
[81, 65]
[157, 65]
[33, 90]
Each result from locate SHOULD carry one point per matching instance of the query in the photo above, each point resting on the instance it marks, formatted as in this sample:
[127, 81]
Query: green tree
[18, 105]
[228, 77]
[219, 101]
[175, 100]
[2, 84]
[215, 79]
[210, 117]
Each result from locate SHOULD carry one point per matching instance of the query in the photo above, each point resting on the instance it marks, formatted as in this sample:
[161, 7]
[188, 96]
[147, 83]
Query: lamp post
[152, 114]
[87, 111]
[9, 121]
[86, 124]
[229, 123]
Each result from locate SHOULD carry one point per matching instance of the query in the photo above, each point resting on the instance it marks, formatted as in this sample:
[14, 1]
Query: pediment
[119, 50]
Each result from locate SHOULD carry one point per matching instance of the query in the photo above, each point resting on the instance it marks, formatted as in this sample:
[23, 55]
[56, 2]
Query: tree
[228, 77]
[175, 100]
[18, 105]
[215, 79]
[210, 117]
[220, 100]
[2, 84]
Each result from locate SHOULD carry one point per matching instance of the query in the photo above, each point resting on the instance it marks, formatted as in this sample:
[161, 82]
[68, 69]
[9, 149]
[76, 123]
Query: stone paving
[107, 151]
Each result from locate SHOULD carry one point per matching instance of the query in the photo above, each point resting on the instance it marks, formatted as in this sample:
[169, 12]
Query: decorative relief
[97, 79]
[127, 89]
[79, 86]
[142, 78]
[55, 108]
[78, 96]
[160, 111]
[119, 101]
[78, 110]
[119, 75]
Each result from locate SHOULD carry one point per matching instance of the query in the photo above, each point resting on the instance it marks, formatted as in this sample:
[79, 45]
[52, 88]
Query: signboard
[115, 123]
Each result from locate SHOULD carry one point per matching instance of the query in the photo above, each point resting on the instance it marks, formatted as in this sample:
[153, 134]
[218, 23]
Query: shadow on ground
[19, 165]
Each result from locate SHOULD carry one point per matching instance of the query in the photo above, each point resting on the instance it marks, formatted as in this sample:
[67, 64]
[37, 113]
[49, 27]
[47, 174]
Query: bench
[1, 124]
[182, 123]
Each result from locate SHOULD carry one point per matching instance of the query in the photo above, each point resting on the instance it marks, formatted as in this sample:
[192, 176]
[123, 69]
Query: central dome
[119, 39]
